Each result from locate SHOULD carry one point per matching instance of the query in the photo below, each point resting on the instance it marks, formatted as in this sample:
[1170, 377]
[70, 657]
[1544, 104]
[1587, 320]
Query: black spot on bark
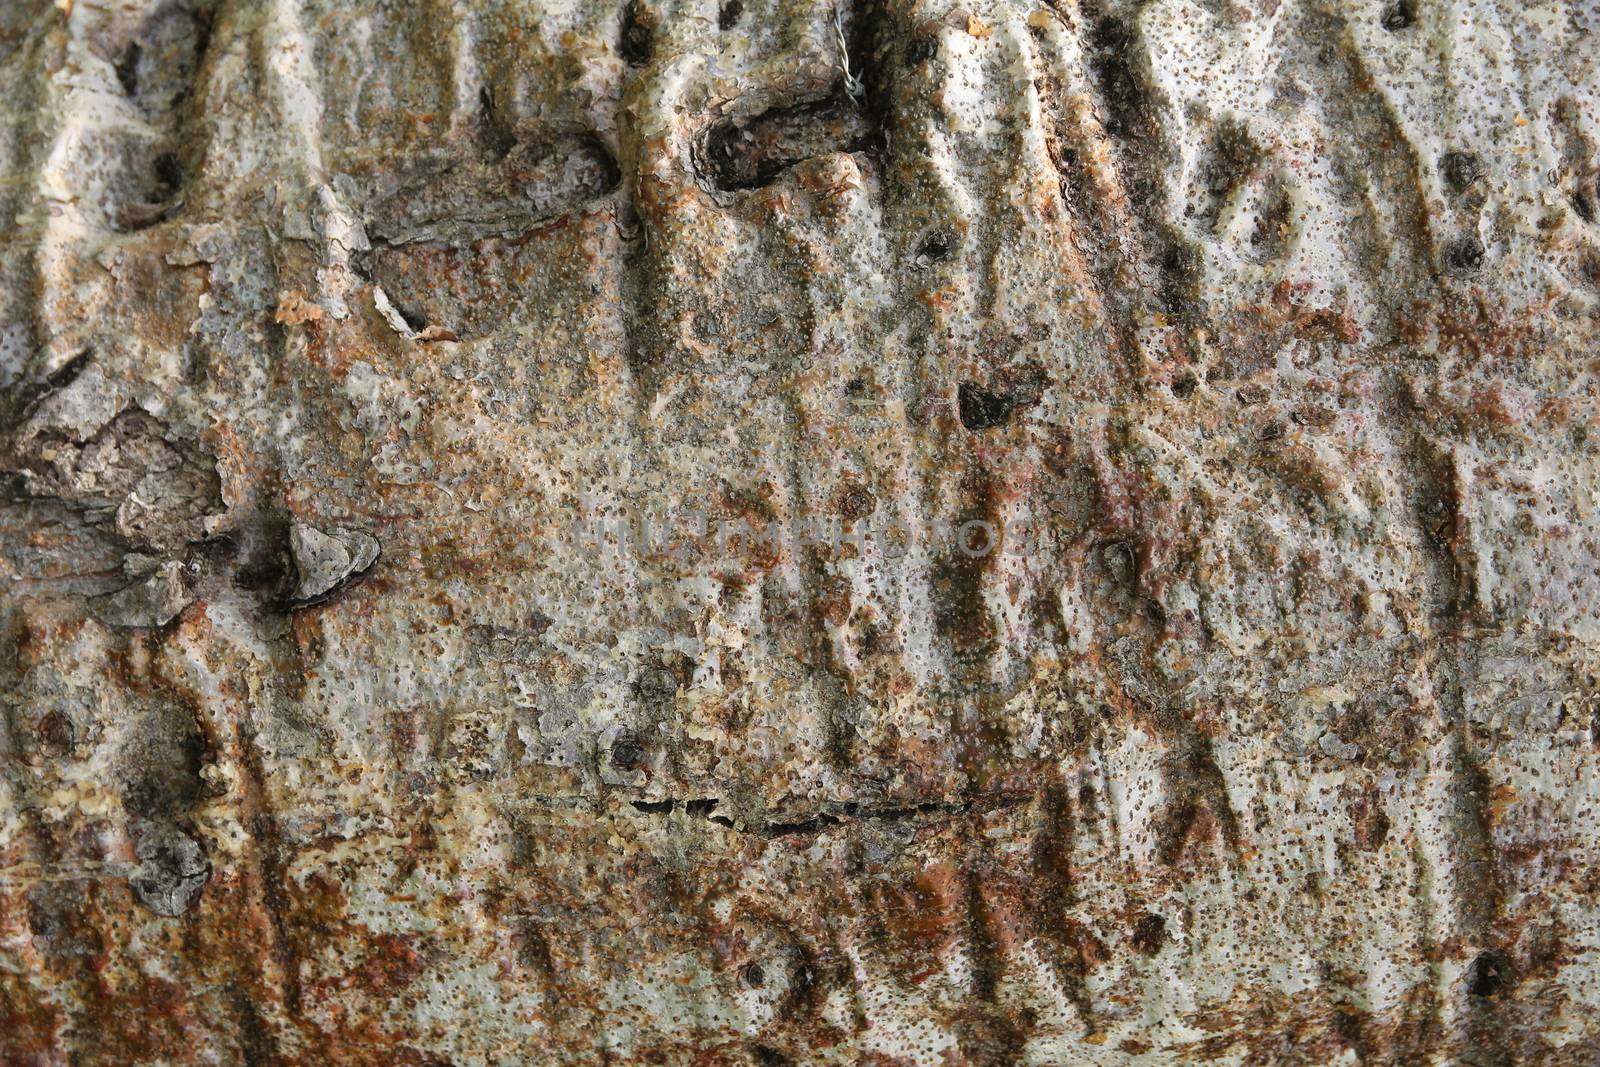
[937, 245]
[1583, 202]
[653, 807]
[1488, 974]
[415, 320]
[981, 409]
[1399, 16]
[1180, 268]
[767, 1056]
[56, 734]
[921, 49]
[1465, 254]
[68, 372]
[1111, 47]
[815, 824]
[627, 754]
[1460, 170]
[127, 68]
[493, 132]
[26, 399]
[169, 172]
[1149, 934]
[638, 37]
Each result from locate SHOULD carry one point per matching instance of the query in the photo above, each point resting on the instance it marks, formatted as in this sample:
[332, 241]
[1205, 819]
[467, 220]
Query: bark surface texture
[324, 738]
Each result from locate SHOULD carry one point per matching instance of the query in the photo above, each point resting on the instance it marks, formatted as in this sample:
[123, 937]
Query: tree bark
[888, 531]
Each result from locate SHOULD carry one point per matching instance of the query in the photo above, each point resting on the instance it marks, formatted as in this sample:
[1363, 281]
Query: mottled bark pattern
[324, 740]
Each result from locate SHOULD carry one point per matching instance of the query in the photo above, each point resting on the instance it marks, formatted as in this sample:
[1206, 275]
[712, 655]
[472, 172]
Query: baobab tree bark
[1121, 485]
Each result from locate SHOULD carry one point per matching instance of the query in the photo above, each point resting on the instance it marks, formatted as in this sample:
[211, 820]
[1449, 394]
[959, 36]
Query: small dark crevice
[865, 36]
[1583, 202]
[638, 37]
[627, 754]
[1489, 973]
[127, 68]
[1465, 254]
[813, 825]
[1399, 16]
[702, 807]
[767, 1056]
[169, 172]
[28, 398]
[982, 408]
[922, 48]
[937, 245]
[750, 153]
[654, 807]
[728, 15]
[735, 156]
[415, 320]
[1440, 498]
[67, 373]
[496, 138]
[159, 196]
[705, 808]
